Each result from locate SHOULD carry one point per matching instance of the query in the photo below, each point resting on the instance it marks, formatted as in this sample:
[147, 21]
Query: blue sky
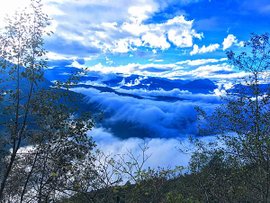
[110, 36]
[121, 36]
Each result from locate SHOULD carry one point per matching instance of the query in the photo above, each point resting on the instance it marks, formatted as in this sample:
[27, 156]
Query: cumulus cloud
[231, 40]
[155, 41]
[106, 26]
[135, 33]
[180, 32]
[204, 49]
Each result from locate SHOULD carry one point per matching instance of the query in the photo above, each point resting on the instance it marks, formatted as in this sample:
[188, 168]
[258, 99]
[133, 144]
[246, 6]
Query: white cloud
[162, 152]
[207, 70]
[180, 32]
[111, 145]
[134, 28]
[204, 49]
[155, 41]
[157, 118]
[135, 68]
[141, 12]
[108, 26]
[177, 31]
[223, 86]
[166, 122]
[122, 46]
[203, 98]
[241, 44]
[217, 71]
[111, 27]
[56, 56]
[231, 40]
[189, 69]
[76, 64]
[198, 62]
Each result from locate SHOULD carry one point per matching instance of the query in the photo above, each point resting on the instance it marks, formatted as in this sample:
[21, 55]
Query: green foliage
[237, 165]
[44, 143]
[178, 198]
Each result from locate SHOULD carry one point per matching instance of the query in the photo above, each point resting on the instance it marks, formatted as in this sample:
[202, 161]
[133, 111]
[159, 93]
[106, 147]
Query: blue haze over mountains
[140, 106]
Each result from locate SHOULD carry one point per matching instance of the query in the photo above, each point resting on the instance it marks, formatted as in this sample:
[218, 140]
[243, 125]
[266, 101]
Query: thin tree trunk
[41, 180]
[6, 175]
[28, 178]
[15, 133]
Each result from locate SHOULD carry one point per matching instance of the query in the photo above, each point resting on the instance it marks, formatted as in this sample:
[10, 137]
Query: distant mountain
[132, 82]
[8, 77]
[136, 105]
[195, 86]
[7, 83]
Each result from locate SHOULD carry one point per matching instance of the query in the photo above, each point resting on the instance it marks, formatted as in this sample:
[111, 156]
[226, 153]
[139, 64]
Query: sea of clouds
[164, 126]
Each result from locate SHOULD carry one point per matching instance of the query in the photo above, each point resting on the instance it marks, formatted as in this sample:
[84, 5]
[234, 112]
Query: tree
[142, 184]
[42, 139]
[21, 45]
[243, 123]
